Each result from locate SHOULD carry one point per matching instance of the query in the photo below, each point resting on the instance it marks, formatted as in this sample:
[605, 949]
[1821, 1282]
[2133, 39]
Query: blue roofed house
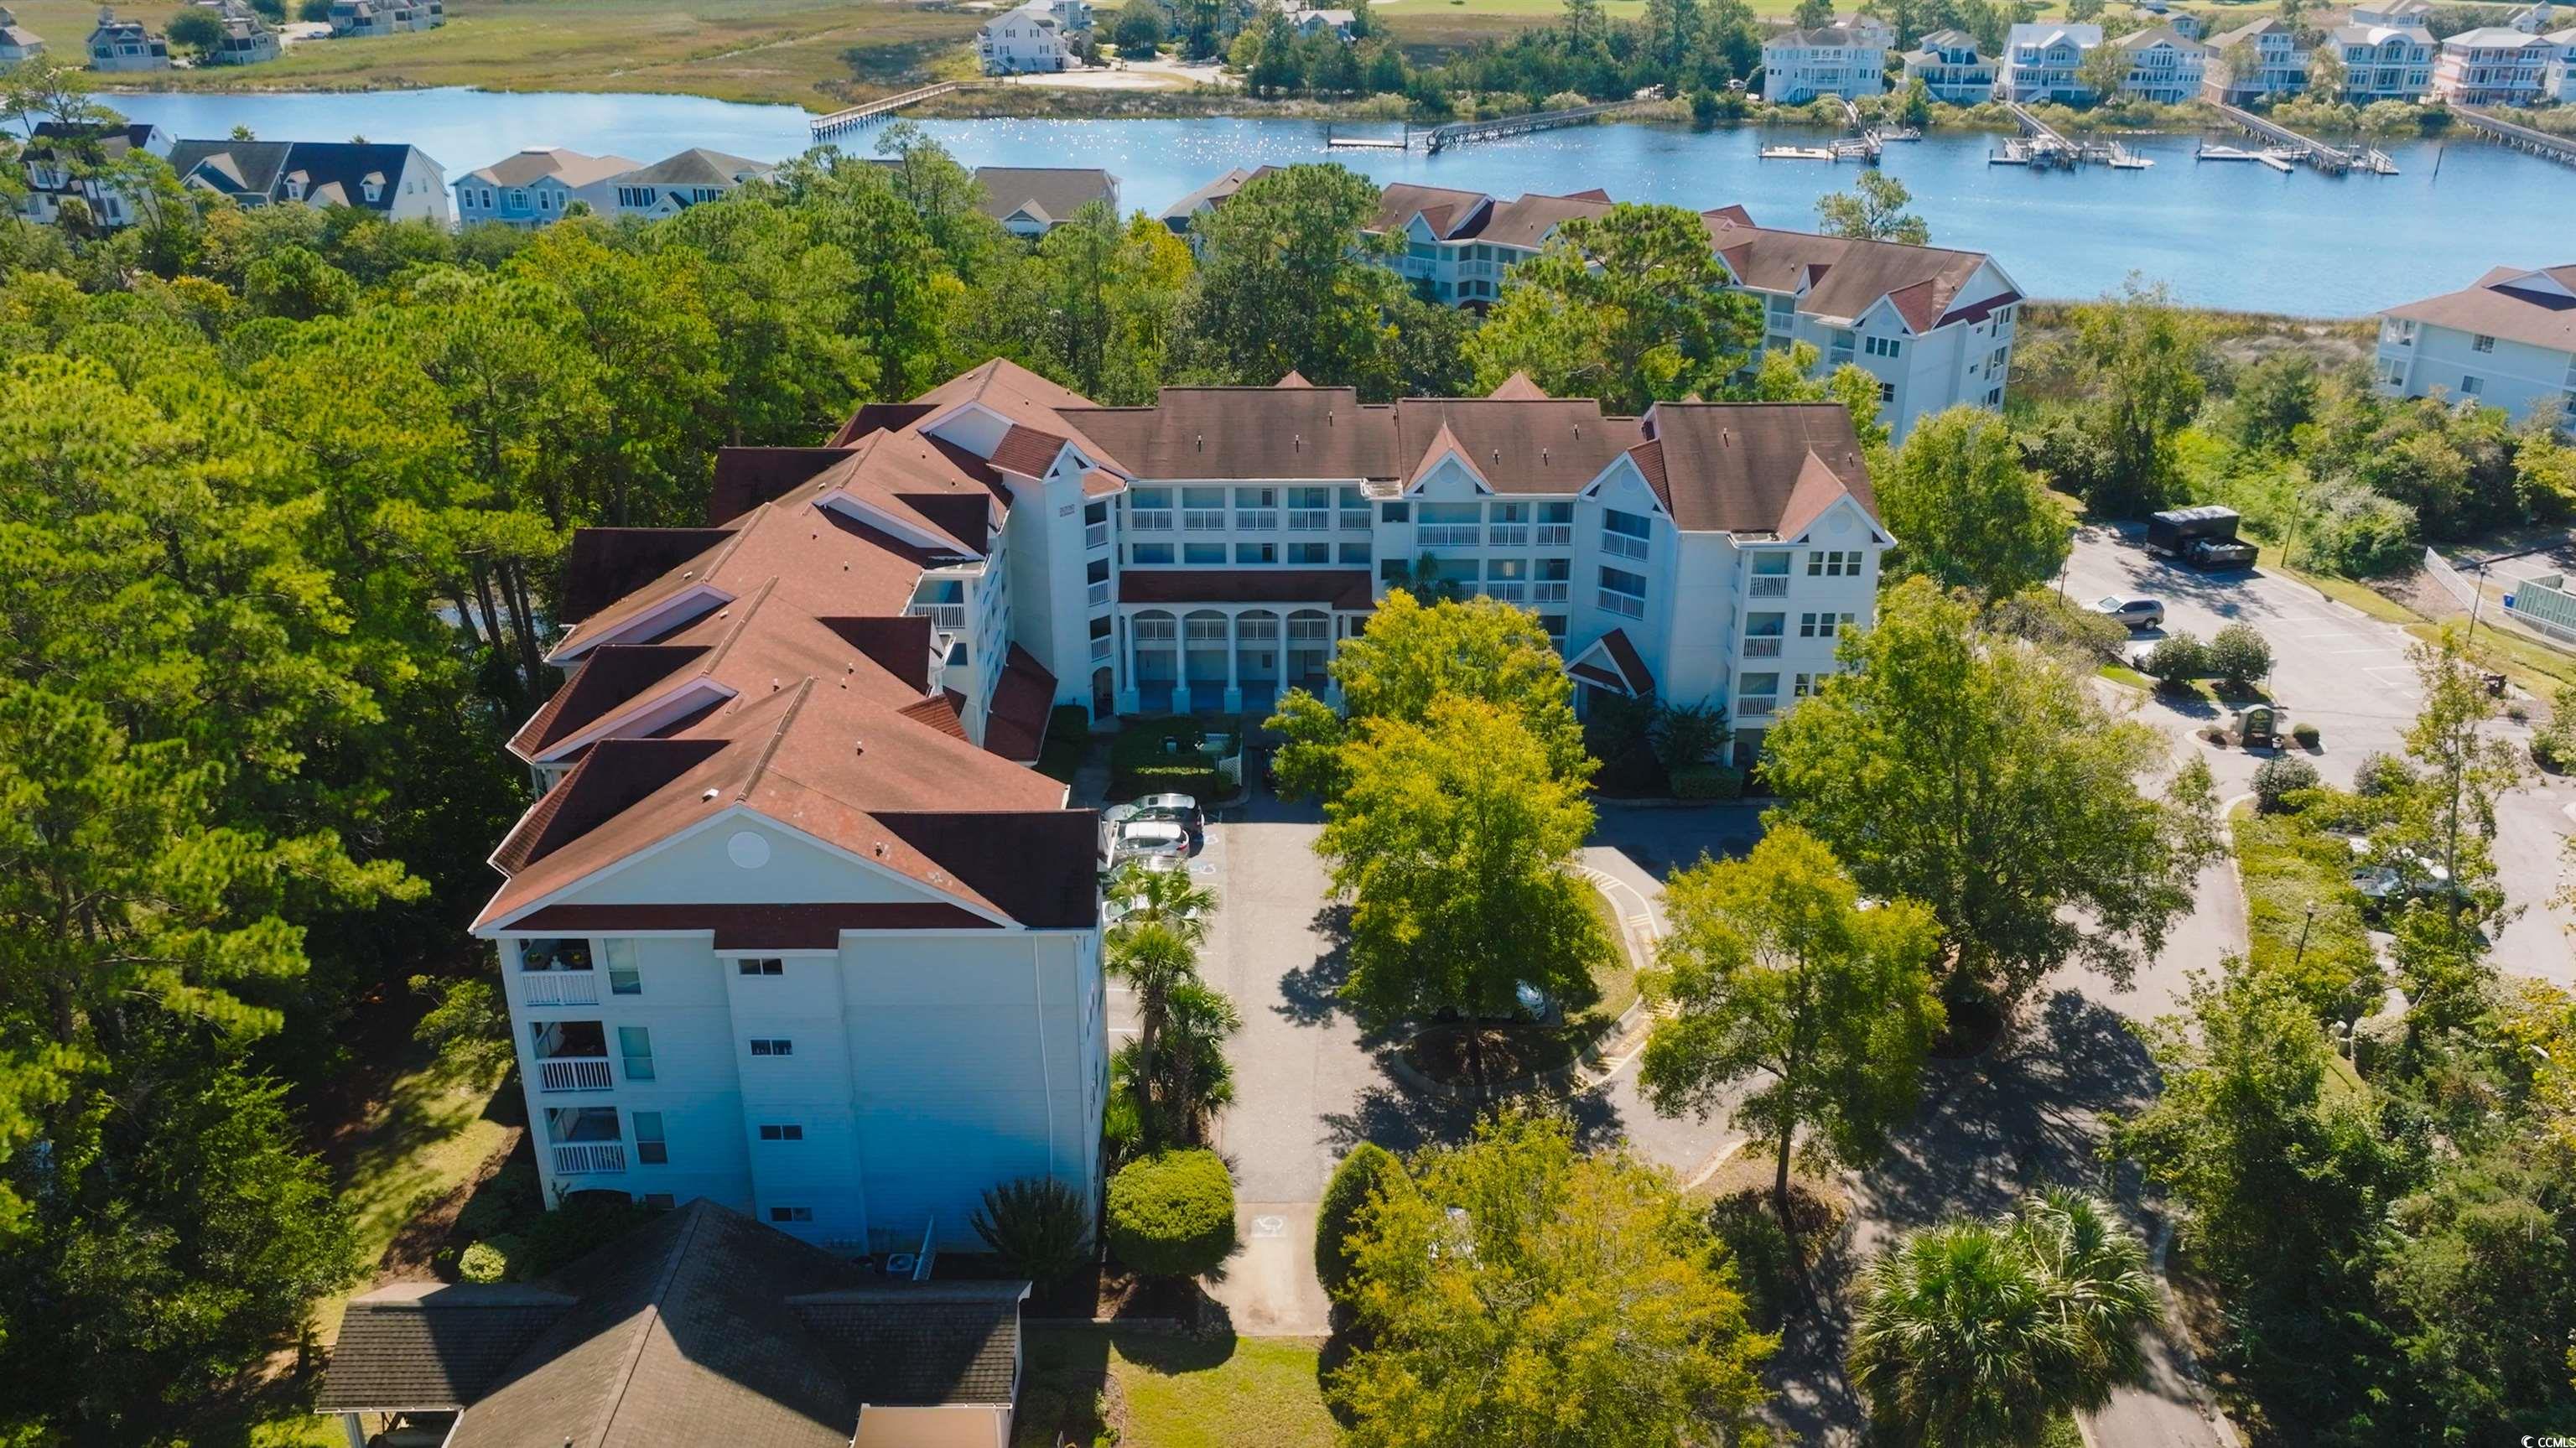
[537, 186]
[397, 182]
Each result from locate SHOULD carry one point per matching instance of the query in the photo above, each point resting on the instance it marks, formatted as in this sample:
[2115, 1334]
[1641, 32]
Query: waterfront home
[17, 43]
[125, 45]
[700, 1326]
[1073, 15]
[676, 183]
[2279, 65]
[2040, 61]
[2384, 60]
[2531, 19]
[2400, 13]
[63, 164]
[1316, 22]
[1034, 200]
[538, 185]
[1799, 66]
[2163, 66]
[2187, 25]
[2495, 65]
[1950, 68]
[396, 182]
[1868, 29]
[358, 19]
[247, 39]
[2507, 341]
[1022, 41]
[2559, 81]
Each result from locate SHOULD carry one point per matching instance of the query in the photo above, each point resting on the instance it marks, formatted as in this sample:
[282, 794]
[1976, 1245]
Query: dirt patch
[416, 1251]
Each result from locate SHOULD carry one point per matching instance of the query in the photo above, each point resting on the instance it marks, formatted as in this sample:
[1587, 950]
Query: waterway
[2219, 234]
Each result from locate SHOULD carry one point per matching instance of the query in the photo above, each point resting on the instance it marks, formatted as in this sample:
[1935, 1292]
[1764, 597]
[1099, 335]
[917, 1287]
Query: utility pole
[2302, 952]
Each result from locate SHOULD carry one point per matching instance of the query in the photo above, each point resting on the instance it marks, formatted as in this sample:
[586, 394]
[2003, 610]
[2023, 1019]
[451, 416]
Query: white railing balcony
[590, 1158]
[1758, 706]
[1508, 592]
[1551, 592]
[1203, 520]
[1149, 520]
[559, 988]
[1556, 535]
[1097, 595]
[1153, 631]
[1207, 633]
[1620, 545]
[1267, 522]
[949, 616]
[1095, 535]
[574, 1073]
[1626, 605]
[1764, 646]
[1309, 631]
[1355, 520]
[1310, 520]
[1100, 649]
[1256, 630]
[1770, 585]
[1445, 535]
[1507, 535]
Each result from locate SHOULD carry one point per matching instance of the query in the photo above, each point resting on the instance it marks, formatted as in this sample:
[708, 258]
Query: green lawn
[1618, 981]
[2291, 867]
[1158, 1391]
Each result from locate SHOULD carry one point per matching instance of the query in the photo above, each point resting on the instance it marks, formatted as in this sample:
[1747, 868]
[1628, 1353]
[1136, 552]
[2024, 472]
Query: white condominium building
[2494, 66]
[1799, 66]
[2164, 67]
[2509, 341]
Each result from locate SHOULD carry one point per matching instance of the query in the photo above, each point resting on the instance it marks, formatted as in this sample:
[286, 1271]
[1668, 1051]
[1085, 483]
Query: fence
[2542, 607]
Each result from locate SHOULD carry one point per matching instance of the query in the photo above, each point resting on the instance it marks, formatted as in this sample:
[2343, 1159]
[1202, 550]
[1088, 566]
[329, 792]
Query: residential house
[248, 39]
[2495, 65]
[2163, 66]
[2507, 341]
[538, 185]
[1073, 15]
[2041, 59]
[2188, 25]
[1315, 22]
[2559, 83]
[1799, 66]
[1019, 42]
[17, 42]
[397, 182]
[125, 45]
[676, 183]
[1183, 214]
[64, 162]
[358, 19]
[1869, 28]
[701, 1326]
[2279, 64]
[1034, 200]
[2531, 19]
[1950, 68]
[2386, 52]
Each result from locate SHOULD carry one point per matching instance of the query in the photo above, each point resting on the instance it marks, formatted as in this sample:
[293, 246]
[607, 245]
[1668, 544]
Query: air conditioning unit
[900, 1264]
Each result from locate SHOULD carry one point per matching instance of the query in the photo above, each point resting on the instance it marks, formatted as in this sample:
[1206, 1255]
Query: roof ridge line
[652, 1324]
[777, 737]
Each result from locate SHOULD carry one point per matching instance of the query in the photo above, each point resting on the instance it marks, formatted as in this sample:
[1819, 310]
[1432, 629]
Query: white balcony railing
[559, 988]
[1556, 535]
[1310, 520]
[1550, 592]
[1620, 545]
[1445, 535]
[1310, 631]
[1207, 631]
[1507, 535]
[573, 1073]
[1770, 585]
[949, 616]
[1203, 520]
[1153, 630]
[1100, 650]
[1756, 706]
[1766, 646]
[1266, 522]
[1256, 630]
[1098, 595]
[1149, 520]
[590, 1158]
[1626, 605]
[1508, 592]
[1355, 520]
[1095, 536]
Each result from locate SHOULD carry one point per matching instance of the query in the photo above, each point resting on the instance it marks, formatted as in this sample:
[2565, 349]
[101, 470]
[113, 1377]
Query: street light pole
[2302, 952]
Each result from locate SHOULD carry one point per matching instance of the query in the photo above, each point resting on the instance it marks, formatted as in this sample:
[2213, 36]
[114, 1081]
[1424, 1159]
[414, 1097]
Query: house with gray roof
[397, 182]
[538, 185]
[676, 183]
[248, 38]
[17, 42]
[1799, 66]
[69, 162]
[701, 1327]
[125, 45]
[1034, 200]
[1952, 71]
[352, 19]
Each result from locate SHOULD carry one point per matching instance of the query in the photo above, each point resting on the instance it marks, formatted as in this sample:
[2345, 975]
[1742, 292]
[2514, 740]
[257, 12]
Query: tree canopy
[1966, 513]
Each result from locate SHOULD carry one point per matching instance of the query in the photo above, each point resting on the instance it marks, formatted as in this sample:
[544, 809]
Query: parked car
[1178, 808]
[1142, 839]
[2137, 613]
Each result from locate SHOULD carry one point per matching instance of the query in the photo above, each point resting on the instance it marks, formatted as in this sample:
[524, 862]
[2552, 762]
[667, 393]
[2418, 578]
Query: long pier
[2522, 138]
[2042, 147]
[826, 127]
[1456, 133]
[2333, 160]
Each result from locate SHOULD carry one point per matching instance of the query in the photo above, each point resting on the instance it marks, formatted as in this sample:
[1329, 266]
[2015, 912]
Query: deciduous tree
[1966, 513]
[1873, 210]
[1289, 282]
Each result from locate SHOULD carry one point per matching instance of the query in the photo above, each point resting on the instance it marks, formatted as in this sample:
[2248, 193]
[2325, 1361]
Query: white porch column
[1233, 671]
[357, 1434]
[1181, 659]
[1128, 700]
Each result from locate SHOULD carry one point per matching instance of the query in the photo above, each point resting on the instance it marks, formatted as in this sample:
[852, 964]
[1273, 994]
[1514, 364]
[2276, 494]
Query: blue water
[2229, 234]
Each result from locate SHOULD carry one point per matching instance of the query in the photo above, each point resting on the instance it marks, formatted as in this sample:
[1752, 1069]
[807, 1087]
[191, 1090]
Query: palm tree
[1981, 1334]
[1156, 959]
[1197, 1082]
[1169, 898]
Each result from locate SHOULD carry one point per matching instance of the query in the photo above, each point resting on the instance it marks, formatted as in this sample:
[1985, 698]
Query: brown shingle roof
[1520, 445]
[1846, 277]
[1246, 432]
[1027, 451]
[2498, 308]
[1527, 221]
[425, 1345]
[920, 1344]
[1739, 466]
[1015, 720]
[1048, 193]
[604, 565]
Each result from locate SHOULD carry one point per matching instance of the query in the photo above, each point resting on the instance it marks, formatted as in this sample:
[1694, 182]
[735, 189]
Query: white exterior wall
[1797, 73]
[2418, 359]
[420, 192]
[2165, 73]
[927, 1065]
[1020, 41]
[2386, 64]
[1958, 363]
[2038, 69]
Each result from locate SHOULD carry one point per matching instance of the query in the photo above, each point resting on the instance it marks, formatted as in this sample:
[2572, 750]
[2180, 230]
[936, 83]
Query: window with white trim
[650, 1147]
[1881, 346]
[635, 1051]
[623, 977]
[760, 965]
[791, 1131]
[1833, 563]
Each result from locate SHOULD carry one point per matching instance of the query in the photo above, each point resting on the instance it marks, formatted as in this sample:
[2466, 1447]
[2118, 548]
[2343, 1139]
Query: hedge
[1360, 1174]
[1068, 735]
[1140, 765]
[1172, 1214]
[1707, 781]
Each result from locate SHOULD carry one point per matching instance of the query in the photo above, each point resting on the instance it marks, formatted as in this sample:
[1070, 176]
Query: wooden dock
[2277, 160]
[2290, 145]
[1459, 133]
[1402, 142]
[826, 127]
[2041, 147]
[2522, 138]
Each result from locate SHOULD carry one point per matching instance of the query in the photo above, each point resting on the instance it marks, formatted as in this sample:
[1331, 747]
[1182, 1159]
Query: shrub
[2278, 778]
[1361, 1173]
[1708, 781]
[487, 1260]
[2176, 658]
[1068, 734]
[1684, 735]
[1038, 1226]
[2238, 655]
[2039, 615]
[1161, 756]
[1172, 1214]
[2380, 775]
[585, 1221]
[2306, 734]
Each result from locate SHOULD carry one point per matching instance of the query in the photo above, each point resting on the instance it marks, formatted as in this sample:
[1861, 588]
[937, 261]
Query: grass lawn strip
[1162, 1391]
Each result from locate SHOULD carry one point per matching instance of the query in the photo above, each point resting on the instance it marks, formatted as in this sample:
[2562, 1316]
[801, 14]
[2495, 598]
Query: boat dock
[2277, 160]
[2041, 147]
[1864, 144]
[826, 127]
[2522, 138]
[1458, 133]
[1403, 142]
[2289, 145]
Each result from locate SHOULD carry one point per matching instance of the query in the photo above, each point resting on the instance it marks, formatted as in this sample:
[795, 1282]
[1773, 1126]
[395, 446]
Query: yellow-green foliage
[2289, 864]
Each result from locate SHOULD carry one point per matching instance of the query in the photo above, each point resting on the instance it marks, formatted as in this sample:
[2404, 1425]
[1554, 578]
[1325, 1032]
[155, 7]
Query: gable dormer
[294, 183]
